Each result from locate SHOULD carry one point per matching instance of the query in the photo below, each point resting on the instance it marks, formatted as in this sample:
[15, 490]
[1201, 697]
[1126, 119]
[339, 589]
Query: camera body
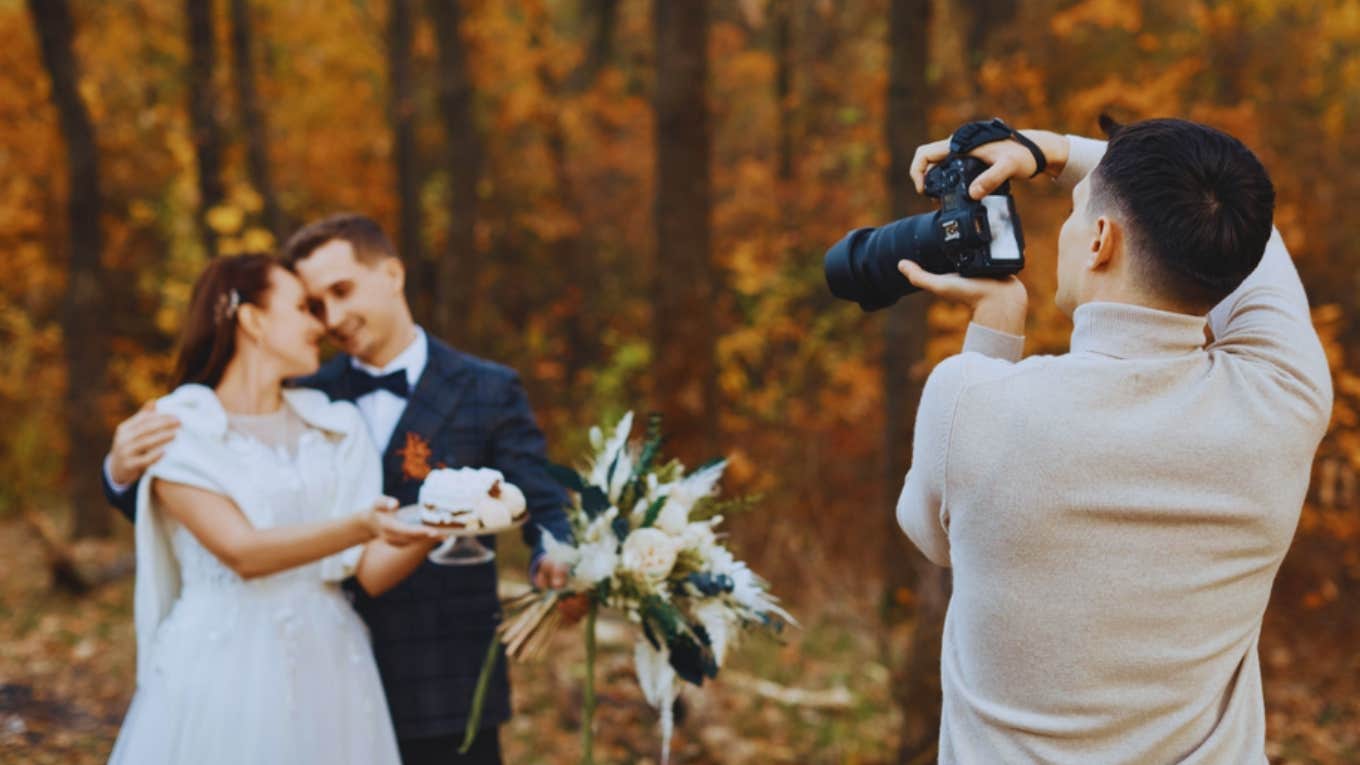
[966, 236]
[967, 228]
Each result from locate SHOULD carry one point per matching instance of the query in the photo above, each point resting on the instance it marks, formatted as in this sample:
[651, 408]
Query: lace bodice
[292, 469]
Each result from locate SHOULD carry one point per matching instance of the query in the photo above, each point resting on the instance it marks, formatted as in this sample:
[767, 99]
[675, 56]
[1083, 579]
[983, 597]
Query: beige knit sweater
[1115, 517]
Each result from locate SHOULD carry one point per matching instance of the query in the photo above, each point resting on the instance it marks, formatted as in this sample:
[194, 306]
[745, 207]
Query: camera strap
[971, 135]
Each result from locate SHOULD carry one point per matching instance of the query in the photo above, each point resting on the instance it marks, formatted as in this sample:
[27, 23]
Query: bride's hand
[382, 521]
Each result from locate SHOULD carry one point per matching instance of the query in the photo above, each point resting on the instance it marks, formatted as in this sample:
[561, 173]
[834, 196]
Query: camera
[968, 236]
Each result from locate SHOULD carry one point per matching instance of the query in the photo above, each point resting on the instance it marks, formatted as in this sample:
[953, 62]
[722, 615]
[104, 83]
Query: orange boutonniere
[415, 458]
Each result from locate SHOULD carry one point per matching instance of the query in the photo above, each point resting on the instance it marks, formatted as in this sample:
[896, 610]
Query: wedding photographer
[1114, 516]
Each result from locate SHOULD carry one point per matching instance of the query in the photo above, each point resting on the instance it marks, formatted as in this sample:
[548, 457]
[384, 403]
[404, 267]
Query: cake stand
[461, 547]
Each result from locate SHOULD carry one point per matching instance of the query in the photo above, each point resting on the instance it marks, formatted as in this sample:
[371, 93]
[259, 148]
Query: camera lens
[863, 266]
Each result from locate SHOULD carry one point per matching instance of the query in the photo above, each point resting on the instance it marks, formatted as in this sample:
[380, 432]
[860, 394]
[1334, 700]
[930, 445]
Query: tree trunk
[573, 254]
[401, 111]
[1228, 53]
[916, 677]
[602, 15]
[455, 299]
[683, 325]
[987, 16]
[980, 21]
[85, 307]
[783, 88]
[198, 15]
[253, 119]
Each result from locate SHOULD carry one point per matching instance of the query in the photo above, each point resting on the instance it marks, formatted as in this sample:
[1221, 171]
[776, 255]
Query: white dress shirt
[382, 409]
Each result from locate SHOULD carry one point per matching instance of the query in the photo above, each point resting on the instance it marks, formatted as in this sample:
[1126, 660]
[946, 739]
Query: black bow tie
[362, 383]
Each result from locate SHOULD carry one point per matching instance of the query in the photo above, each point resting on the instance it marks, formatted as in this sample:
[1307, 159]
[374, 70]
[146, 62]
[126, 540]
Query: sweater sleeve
[1266, 321]
[1083, 154]
[993, 344]
[922, 511]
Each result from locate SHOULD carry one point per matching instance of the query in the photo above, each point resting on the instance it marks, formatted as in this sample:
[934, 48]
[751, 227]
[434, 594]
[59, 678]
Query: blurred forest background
[627, 201]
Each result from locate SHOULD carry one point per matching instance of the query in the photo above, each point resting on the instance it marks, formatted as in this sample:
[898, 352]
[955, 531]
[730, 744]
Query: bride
[247, 650]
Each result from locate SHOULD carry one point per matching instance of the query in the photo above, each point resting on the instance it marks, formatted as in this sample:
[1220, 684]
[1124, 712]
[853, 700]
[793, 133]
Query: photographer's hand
[1006, 159]
[998, 304]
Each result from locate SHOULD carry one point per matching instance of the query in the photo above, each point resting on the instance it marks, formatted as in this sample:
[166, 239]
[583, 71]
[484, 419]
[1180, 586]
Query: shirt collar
[412, 359]
[1127, 331]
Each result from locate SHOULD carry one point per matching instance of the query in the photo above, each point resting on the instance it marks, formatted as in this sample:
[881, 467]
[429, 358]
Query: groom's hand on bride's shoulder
[1005, 159]
[138, 442]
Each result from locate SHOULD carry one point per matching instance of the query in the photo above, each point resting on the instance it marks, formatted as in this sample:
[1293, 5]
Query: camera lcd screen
[1004, 245]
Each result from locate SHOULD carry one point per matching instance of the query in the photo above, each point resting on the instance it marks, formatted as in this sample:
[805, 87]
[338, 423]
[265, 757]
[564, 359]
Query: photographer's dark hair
[1197, 204]
[209, 338]
[368, 239]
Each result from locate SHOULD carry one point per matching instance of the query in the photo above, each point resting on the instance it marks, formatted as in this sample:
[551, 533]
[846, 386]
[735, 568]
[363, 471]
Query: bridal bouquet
[645, 546]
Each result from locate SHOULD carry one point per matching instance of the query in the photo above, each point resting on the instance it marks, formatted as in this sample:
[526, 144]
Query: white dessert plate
[411, 514]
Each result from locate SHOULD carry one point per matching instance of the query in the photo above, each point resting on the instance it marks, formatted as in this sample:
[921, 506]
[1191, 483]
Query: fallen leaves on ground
[67, 666]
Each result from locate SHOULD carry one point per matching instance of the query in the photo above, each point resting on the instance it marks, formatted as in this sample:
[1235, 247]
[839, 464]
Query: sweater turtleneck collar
[1126, 331]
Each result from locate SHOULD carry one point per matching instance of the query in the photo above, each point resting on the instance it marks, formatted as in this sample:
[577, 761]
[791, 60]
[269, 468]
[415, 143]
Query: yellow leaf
[247, 199]
[225, 219]
[230, 245]
[141, 212]
[257, 240]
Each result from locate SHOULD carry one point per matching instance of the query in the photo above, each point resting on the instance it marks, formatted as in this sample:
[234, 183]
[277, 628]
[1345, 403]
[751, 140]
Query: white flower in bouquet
[683, 495]
[650, 552]
[654, 674]
[749, 592]
[657, 680]
[699, 536]
[673, 518]
[598, 562]
[717, 620]
[753, 594]
[717, 559]
[746, 587]
[598, 551]
[614, 455]
[559, 553]
[639, 511]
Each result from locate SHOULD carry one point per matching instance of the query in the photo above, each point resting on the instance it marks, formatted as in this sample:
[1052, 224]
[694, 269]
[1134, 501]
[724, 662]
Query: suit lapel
[428, 408]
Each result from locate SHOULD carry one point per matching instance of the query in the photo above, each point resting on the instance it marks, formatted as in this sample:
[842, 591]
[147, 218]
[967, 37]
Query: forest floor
[820, 696]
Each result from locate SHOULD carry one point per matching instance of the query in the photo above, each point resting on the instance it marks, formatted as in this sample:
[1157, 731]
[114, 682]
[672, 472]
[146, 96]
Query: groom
[424, 403]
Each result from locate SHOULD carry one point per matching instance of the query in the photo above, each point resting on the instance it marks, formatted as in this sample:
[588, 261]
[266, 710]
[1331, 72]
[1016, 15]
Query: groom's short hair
[371, 244]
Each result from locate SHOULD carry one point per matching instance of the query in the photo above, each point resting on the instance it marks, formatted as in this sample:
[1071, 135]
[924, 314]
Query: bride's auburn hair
[208, 340]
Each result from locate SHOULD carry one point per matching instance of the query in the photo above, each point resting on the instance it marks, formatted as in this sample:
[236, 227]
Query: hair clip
[227, 304]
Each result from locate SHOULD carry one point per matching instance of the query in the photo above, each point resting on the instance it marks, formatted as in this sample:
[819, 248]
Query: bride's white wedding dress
[276, 669]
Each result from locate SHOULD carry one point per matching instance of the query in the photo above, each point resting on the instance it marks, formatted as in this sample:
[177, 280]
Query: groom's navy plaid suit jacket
[430, 632]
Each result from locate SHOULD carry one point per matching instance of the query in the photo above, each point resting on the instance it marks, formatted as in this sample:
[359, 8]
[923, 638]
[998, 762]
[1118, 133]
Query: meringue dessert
[469, 499]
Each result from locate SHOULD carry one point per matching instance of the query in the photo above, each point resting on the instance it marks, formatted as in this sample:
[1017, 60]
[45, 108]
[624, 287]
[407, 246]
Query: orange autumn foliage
[563, 229]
